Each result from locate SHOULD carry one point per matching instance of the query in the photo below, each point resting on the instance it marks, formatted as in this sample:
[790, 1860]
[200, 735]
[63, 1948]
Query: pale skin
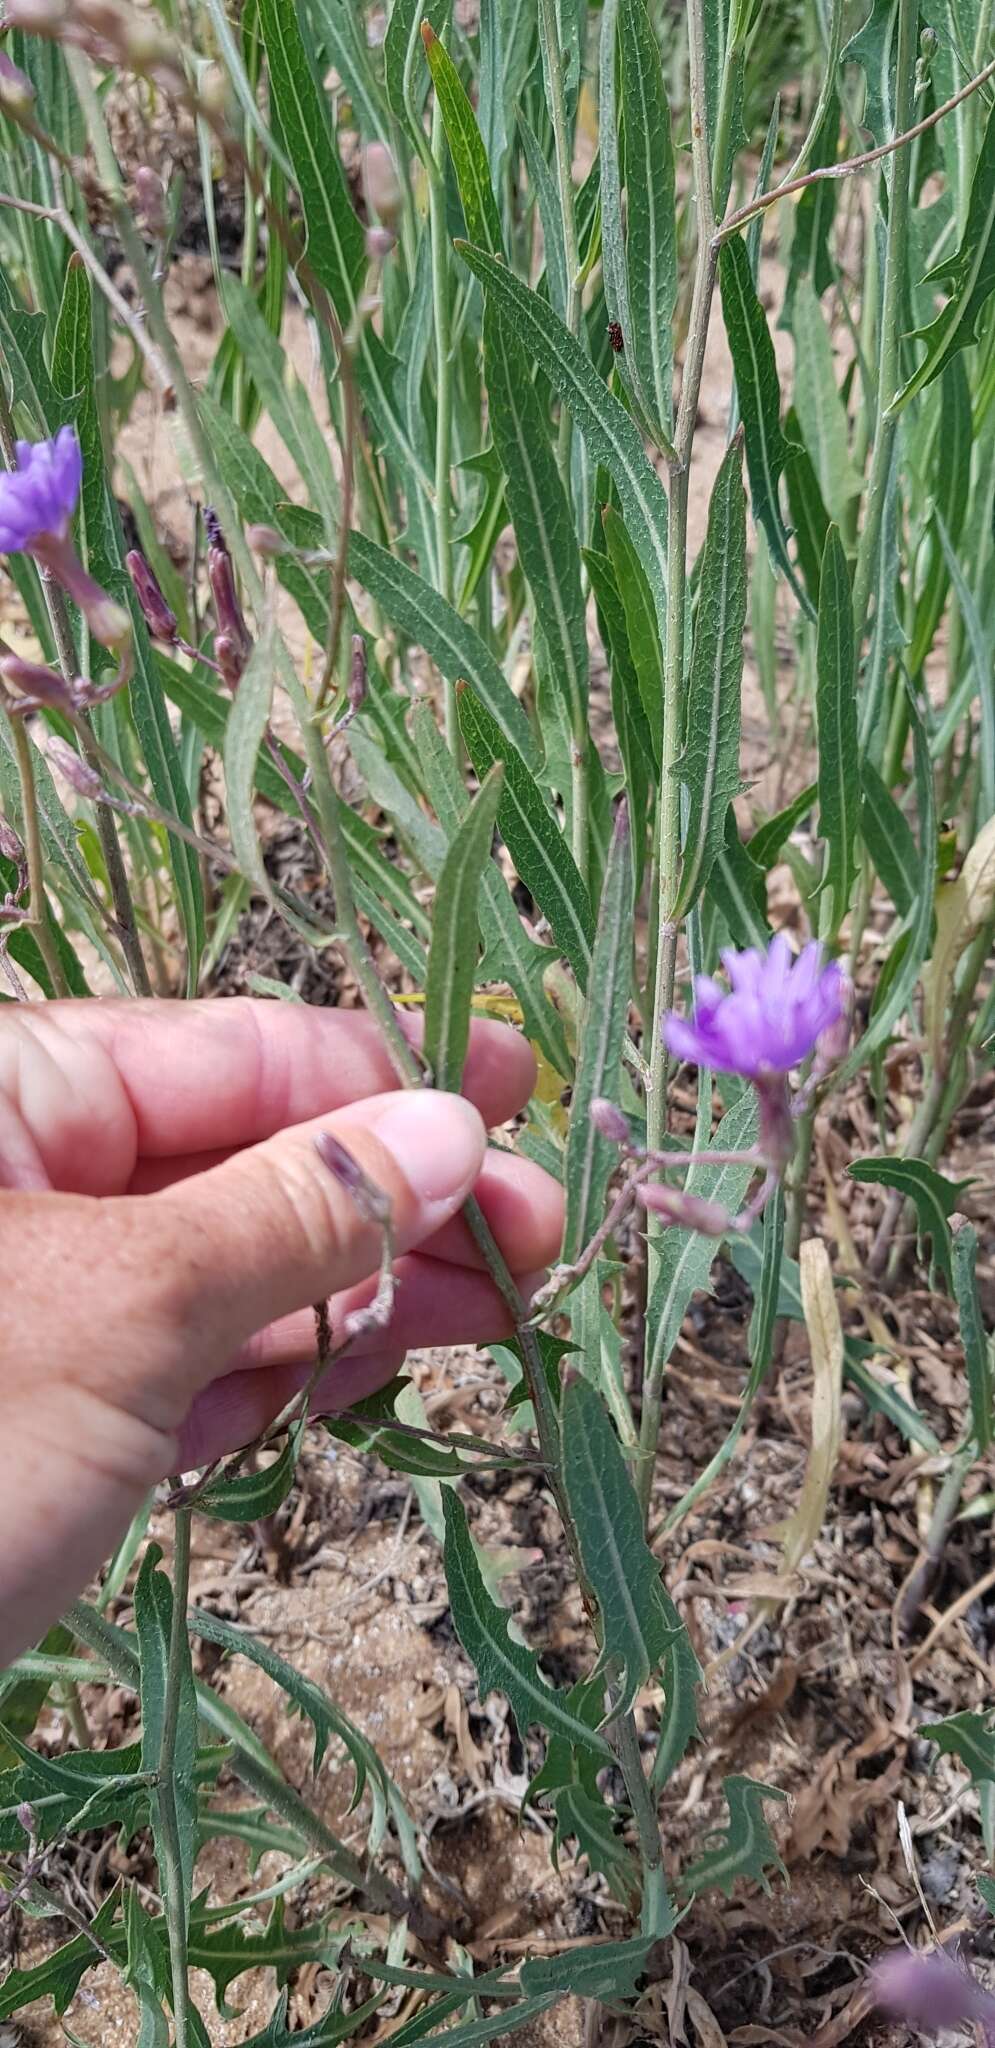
[166, 1225]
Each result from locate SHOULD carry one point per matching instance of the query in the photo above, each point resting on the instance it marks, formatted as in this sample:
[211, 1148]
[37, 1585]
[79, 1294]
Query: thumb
[273, 1229]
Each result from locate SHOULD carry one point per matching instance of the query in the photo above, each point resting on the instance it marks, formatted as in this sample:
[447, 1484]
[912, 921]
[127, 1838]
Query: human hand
[167, 1223]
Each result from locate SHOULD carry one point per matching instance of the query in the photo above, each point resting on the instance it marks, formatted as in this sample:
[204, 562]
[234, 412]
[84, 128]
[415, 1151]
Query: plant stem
[175, 1902]
[41, 915]
[564, 179]
[441, 286]
[656, 1916]
[668, 800]
[885, 424]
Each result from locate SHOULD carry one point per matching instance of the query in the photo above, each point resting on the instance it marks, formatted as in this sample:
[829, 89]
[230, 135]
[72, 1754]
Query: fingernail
[438, 1142]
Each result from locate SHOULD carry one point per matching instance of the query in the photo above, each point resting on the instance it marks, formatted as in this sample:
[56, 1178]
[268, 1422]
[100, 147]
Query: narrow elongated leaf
[253, 1495]
[475, 2033]
[821, 416]
[747, 1848]
[836, 720]
[335, 246]
[174, 1802]
[954, 443]
[533, 837]
[611, 436]
[709, 764]
[618, 1564]
[642, 630]
[454, 646]
[971, 1738]
[590, 1157]
[404, 56]
[246, 725]
[935, 1199]
[500, 1662]
[343, 36]
[978, 1353]
[887, 836]
[970, 275]
[610, 174]
[765, 845]
[604, 1970]
[548, 203]
[466, 147]
[145, 1974]
[759, 392]
[289, 405]
[631, 727]
[651, 218]
[682, 1259]
[452, 955]
[545, 531]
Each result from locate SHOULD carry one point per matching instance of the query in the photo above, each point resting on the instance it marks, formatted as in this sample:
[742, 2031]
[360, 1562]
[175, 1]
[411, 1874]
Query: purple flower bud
[690, 1212]
[26, 1817]
[356, 692]
[83, 779]
[370, 1200]
[233, 644]
[10, 845]
[931, 1991]
[32, 680]
[833, 1044]
[38, 498]
[16, 89]
[150, 193]
[609, 1121]
[160, 620]
[379, 243]
[771, 1019]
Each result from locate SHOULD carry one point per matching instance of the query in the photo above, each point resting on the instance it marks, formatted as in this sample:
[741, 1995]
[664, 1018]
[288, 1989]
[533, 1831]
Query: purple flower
[770, 1020]
[38, 498]
[932, 1992]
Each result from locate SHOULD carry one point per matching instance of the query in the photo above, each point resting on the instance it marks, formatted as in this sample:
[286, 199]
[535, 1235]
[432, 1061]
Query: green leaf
[532, 836]
[500, 1662]
[545, 531]
[474, 2033]
[651, 218]
[836, 721]
[681, 1260]
[145, 1974]
[883, 1397]
[521, 961]
[681, 1676]
[747, 1847]
[59, 1976]
[343, 34]
[228, 1951]
[244, 731]
[174, 1804]
[335, 246]
[59, 1788]
[809, 517]
[466, 147]
[611, 436]
[977, 1345]
[457, 650]
[821, 416]
[452, 958]
[887, 835]
[642, 632]
[935, 1199]
[253, 1495]
[404, 57]
[603, 1970]
[326, 1718]
[971, 1737]
[621, 1570]
[737, 888]
[709, 764]
[759, 392]
[951, 458]
[591, 1158]
[871, 48]
[287, 401]
[765, 845]
[631, 727]
[970, 275]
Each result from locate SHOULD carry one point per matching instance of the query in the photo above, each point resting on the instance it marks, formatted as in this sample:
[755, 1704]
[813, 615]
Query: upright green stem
[41, 916]
[891, 316]
[656, 1915]
[176, 1903]
[441, 288]
[668, 845]
[565, 187]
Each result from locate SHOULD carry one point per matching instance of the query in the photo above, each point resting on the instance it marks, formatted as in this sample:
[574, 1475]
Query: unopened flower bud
[382, 188]
[370, 1200]
[159, 618]
[265, 541]
[609, 1121]
[150, 193]
[26, 1817]
[10, 845]
[233, 641]
[379, 243]
[83, 779]
[690, 1212]
[16, 89]
[33, 680]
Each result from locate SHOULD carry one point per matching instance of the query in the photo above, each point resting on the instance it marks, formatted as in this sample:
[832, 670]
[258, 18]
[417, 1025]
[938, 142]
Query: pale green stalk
[441, 289]
[41, 915]
[895, 264]
[668, 845]
[175, 1902]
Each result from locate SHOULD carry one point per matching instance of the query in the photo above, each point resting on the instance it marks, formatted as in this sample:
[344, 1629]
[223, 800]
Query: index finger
[215, 1075]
